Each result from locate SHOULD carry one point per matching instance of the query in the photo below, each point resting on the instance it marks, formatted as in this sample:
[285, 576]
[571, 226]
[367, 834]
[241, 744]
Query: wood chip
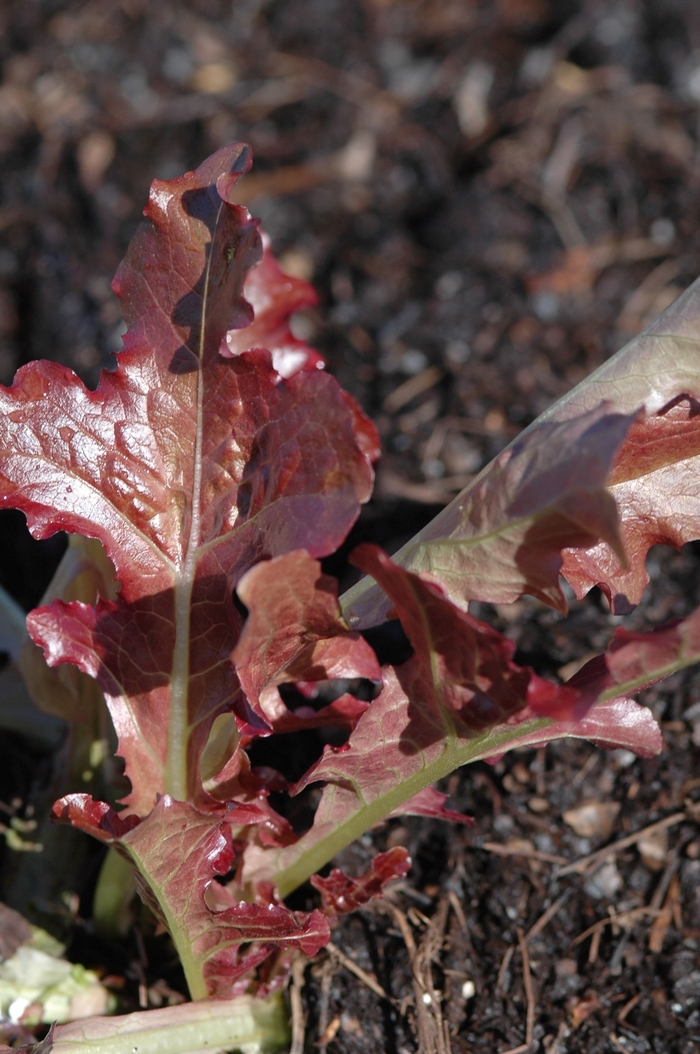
[653, 849]
[330, 1031]
[593, 819]
[580, 1009]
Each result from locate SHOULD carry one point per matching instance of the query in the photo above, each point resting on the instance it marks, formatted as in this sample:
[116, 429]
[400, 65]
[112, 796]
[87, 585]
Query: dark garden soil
[491, 198]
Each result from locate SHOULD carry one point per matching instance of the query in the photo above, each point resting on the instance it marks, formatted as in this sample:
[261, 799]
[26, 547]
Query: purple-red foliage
[220, 456]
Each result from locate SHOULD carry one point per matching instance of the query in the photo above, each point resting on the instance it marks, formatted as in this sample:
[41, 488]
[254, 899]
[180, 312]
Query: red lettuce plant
[220, 457]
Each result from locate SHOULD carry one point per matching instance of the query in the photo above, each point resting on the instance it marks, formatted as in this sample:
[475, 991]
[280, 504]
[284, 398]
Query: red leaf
[477, 548]
[183, 850]
[94, 817]
[274, 296]
[341, 713]
[656, 472]
[504, 535]
[613, 723]
[189, 466]
[430, 802]
[467, 666]
[459, 698]
[405, 740]
[273, 829]
[655, 482]
[295, 632]
[635, 660]
[341, 894]
[632, 661]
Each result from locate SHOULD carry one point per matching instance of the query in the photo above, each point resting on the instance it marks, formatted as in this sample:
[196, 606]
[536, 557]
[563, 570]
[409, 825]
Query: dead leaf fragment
[581, 1009]
[351, 1025]
[593, 819]
[471, 99]
[95, 153]
[14, 931]
[653, 850]
[330, 1031]
[605, 882]
[214, 77]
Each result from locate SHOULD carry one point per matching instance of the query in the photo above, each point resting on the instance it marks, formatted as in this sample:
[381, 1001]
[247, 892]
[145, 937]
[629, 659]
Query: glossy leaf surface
[655, 482]
[504, 535]
[340, 893]
[189, 466]
[274, 296]
[291, 592]
[183, 851]
[220, 457]
[458, 699]
[477, 548]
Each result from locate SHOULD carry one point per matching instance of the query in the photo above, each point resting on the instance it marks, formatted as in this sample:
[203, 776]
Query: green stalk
[191, 965]
[115, 890]
[298, 862]
[249, 1024]
[13, 629]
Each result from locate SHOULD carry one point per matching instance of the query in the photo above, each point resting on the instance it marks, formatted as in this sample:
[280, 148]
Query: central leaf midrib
[176, 770]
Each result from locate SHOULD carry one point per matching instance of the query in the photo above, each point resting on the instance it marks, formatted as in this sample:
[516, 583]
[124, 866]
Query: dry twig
[546, 916]
[298, 1016]
[361, 974]
[629, 1005]
[433, 1037]
[503, 968]
[529, 992]
[328, 971]
[529, 998]
[624, 919]
[593, 860]
[662, 922]
[457, 908]
[522, 850]
[407, 390]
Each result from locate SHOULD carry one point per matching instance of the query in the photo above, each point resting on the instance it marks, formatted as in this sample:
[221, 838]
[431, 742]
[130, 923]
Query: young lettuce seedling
[219, 456]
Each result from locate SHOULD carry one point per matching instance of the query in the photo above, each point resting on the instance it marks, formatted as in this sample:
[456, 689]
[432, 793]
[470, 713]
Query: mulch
[491, 196]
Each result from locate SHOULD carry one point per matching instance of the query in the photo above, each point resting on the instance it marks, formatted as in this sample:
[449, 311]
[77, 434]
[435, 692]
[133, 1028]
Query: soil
[491, 196]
